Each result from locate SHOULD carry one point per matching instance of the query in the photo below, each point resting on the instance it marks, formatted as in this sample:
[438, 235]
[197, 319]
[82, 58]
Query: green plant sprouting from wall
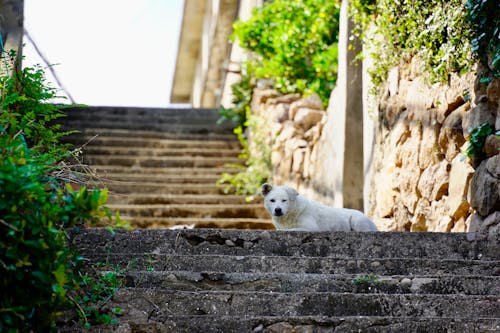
[478, 138]
[37, 203]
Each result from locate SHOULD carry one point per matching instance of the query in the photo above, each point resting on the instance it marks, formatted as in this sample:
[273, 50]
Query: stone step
[180, 178]
[300, 282]
[305, 265]
[160, 304]
[160, 152]
[140, 125]
[169, 199]
[151, 134]
[104, 170]
[387, 245]
[198, 223]
[192, 210]
[163, 162]
[137, 141]
[118, 187]
[184, 114]
[317, 324]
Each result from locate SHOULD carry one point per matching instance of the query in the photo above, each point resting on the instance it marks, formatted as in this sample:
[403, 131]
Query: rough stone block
[484, 192]
[460, 174]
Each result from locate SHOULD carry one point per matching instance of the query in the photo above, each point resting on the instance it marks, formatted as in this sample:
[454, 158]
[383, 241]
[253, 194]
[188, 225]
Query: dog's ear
[292, 193]
[266, 188]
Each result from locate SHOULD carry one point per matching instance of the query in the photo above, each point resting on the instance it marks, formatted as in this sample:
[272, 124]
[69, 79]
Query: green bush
[294, 43]
[37, 268]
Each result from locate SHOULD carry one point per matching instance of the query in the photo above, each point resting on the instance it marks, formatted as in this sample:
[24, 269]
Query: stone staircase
[160, 168]
[275, 281]
[161, 165]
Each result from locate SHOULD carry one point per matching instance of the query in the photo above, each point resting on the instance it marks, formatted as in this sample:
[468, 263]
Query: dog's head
[278, 199]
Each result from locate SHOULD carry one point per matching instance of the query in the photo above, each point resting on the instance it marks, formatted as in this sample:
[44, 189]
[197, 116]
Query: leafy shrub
[434, 31]
[294, 43]
[37, 268]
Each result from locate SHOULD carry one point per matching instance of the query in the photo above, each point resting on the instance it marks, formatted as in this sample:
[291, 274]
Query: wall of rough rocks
[294, 126]
[422, 179]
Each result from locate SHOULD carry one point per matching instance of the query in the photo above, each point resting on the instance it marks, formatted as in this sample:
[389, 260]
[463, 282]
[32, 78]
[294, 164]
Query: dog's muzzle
[278, 212]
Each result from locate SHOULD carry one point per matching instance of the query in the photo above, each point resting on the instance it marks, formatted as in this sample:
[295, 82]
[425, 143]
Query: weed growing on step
[94, 295]
[369, 279]
[37, 203]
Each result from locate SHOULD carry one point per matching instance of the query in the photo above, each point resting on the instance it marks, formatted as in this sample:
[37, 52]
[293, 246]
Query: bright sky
[107, 52]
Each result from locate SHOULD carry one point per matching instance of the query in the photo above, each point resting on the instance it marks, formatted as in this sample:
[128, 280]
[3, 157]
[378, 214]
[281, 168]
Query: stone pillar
[340, 173]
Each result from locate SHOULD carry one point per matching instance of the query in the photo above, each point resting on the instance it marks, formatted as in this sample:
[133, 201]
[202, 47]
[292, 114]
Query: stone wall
[422, 179]
[295, 125]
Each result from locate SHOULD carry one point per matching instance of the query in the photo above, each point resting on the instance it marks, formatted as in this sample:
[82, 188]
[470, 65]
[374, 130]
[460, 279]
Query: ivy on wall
[448, 36]
[484, 20]
[437, 32]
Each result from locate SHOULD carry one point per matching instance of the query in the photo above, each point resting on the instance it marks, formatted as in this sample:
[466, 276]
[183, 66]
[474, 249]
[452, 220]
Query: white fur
[292, 211]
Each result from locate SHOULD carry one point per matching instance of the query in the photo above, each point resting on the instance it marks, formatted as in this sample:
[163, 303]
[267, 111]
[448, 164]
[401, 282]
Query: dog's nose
[278, 211]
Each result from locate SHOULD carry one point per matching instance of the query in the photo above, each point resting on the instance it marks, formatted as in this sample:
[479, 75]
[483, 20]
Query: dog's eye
[284, 200]
[272, 200]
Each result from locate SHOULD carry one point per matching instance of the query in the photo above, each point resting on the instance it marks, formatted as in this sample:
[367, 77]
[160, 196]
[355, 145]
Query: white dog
[292, 211]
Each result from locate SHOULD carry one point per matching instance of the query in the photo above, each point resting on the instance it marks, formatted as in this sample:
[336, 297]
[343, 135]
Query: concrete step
[161, 162]
[159, 304]
[317, 324]
[160, 152]
[192, 210]
[287, 265]
[386, 245]
[198, 223]
[300, 282]
[169, 199]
